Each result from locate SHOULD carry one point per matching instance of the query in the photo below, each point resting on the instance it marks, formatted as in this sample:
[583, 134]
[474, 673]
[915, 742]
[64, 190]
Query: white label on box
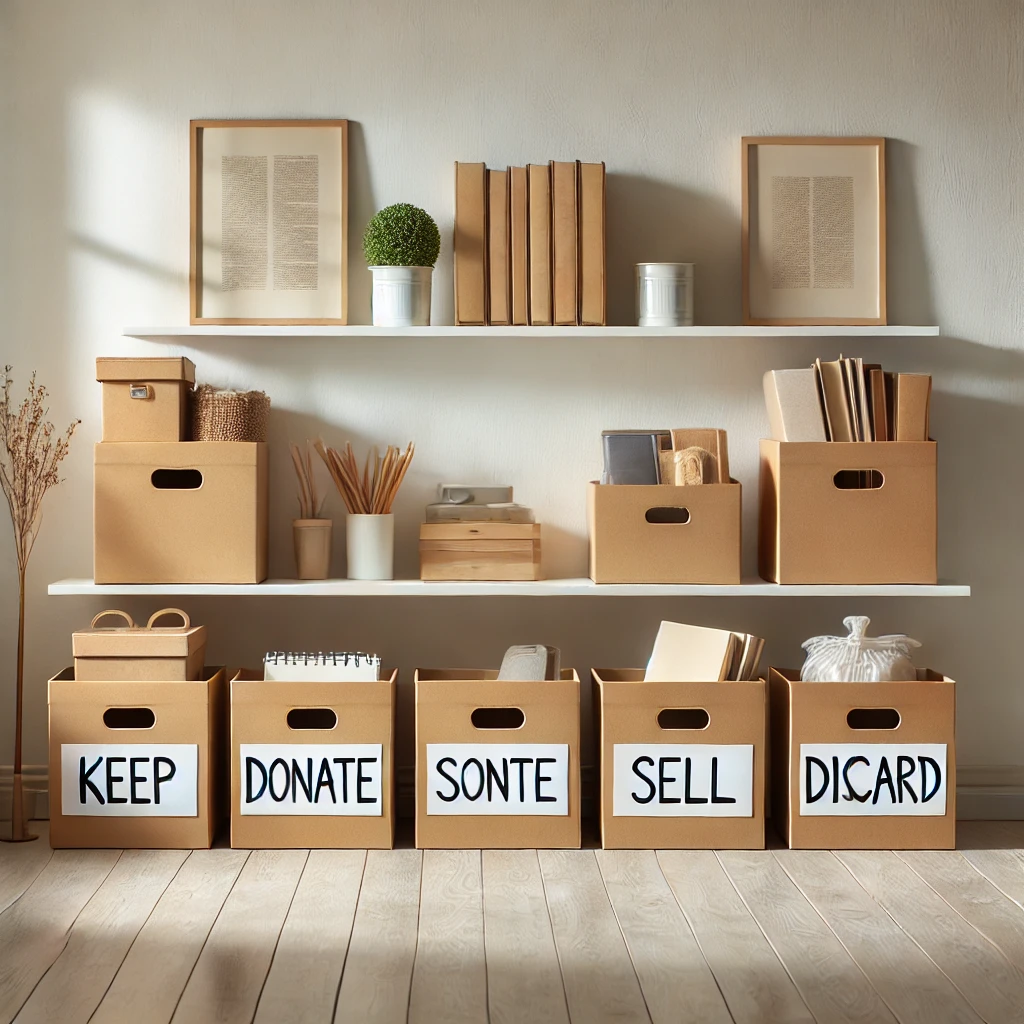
[683, 780]
[868, 779]
[129, 780]
[311, 778]
[498, 778]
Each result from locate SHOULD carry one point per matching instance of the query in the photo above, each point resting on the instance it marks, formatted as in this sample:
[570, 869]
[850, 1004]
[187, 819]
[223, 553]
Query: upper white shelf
[580, 333]
[541, 588]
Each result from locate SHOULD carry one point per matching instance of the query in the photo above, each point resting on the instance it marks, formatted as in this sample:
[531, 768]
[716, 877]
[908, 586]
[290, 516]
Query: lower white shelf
[541, 588]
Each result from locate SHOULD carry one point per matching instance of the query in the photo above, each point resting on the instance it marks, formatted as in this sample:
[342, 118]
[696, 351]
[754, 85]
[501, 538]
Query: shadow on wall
[651, 221]
[908, 279]
[361, 207]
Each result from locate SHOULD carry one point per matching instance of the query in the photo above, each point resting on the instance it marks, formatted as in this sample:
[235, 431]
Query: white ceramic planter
[401, 296]
[370, 546]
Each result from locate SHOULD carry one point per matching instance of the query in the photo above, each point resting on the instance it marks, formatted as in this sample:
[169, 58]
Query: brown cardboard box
[628, 543]
[194, 512]
[480, 551]
[713, 737]
[137, 743]
[812, 530]
[836, 747]
[133, 653]
[270, 721]
[470, 731]
[145, 399]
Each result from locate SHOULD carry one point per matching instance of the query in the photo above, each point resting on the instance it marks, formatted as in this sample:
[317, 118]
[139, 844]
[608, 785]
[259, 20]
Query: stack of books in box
[530, 244]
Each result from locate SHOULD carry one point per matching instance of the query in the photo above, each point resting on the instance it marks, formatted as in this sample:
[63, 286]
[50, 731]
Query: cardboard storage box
[194, 512]
[139, 653]
[816, 529]
[136, 764]
[145, 399]
[480, 551]
[682, 764]
[864, 766]
[312, 764]
[497, 762]
[659, 533]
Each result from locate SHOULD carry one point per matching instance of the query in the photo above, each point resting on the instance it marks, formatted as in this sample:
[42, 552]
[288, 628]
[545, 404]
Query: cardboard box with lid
[139, 653]
[145, 399]
[497, 761]
[682, 764]
[864, 766]
[312, 763]
[136, 765]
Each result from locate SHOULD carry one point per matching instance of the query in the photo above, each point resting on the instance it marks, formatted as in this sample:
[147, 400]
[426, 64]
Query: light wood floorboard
[34, 931]
[449, 981]
[157, 967]
[914, 989]
[516, 937]
[834, 988]
[303, 982]
[382, 950]
[524, 982]
[20, 863]
[754, 982]
[676, 981]
[99, 941]
[600, 982]
[989, 982]
[228, 977]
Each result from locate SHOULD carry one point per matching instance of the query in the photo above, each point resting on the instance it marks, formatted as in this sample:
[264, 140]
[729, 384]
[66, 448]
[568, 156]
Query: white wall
[97, 99]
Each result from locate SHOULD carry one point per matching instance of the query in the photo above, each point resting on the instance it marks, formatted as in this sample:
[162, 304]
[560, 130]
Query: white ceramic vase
[370, 546]
[401, 296]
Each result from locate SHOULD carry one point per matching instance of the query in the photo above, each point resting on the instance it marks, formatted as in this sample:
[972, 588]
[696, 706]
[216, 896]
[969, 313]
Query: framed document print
[269, 222]
[813, 231]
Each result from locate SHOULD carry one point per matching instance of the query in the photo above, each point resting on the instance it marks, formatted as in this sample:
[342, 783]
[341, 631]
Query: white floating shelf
[542, 588]
[578, 333]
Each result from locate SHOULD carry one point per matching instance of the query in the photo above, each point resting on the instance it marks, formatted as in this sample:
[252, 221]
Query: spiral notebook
[321, 667]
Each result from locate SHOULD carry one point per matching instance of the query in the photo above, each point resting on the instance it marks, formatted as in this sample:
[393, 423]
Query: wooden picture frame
[798, 275]
[260, 207]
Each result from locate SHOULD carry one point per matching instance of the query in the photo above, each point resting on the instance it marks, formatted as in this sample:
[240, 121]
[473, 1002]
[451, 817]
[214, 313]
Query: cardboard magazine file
[497, 762]
[660, 533]
[193, 512]
[848, 512]
[864, 766]
[136, 765]
[135, 653]
[682, 765]
[312, 764]
[146, 399]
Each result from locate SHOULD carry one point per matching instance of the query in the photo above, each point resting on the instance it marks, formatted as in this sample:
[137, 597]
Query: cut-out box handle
[858, 480]
[176, 479]
[498, 718]
[873, 718]
[312, 718]
[668, 515]
[129, 718]
[683, 718]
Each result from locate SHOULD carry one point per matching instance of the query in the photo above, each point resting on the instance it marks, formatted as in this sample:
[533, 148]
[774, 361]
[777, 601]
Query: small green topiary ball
[401, 236]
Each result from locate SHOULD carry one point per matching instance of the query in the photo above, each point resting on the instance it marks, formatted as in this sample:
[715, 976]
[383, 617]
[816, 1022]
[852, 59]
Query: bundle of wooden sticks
[374, 491]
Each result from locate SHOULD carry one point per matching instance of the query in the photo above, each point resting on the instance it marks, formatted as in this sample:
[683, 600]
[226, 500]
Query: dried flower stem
[30, 457]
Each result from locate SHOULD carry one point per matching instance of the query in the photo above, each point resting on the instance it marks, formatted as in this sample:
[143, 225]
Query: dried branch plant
[311, 504]
[30, 456]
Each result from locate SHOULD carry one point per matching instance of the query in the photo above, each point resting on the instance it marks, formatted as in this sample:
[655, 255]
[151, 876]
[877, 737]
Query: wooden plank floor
[520, 937]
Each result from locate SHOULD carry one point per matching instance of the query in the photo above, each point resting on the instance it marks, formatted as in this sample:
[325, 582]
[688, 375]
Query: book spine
[497, 248]
[592, 245]
[519, 270]
[564, 243]
[538, 198]
[470, 244]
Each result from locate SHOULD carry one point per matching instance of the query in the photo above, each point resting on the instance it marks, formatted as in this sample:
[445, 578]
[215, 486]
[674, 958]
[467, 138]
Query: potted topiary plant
[401, 246]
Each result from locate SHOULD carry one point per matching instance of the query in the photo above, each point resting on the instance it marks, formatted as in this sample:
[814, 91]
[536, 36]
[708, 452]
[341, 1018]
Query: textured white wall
[96, 102]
